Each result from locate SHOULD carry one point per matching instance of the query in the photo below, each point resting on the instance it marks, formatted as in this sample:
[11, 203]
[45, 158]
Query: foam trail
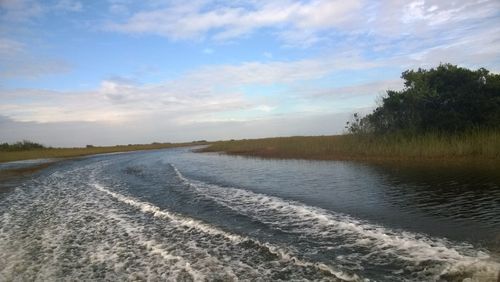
[81, 221]
[337, 231]
[156, 248]
[198, 225]
[66, 230]
[157, 212]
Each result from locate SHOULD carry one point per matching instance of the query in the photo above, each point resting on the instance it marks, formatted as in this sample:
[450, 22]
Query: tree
[20, 146]
[444, 99]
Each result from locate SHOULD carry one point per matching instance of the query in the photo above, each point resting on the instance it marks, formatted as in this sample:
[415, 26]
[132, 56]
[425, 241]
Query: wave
[354, 241]
[177, 262]
[58, 228]
[284, 255]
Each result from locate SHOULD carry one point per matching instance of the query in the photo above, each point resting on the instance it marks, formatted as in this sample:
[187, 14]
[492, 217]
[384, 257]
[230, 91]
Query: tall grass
[476, 144]
[6, 156]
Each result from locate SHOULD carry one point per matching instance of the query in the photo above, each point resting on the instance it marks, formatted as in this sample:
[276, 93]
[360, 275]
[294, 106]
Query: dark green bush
[446, 99]
[20, 146]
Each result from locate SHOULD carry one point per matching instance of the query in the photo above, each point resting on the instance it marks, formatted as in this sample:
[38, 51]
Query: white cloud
[214, 92]
[16, 61]
[304, 23]
[279, 71]
[195, 20]
[28, 66]
[265, 108]
[9, 47]
[27, 10]
[217, 89]
[69, 5]
[20, 10]
[118, 9]
[369, 89]
[150, 130]
[393, 18]
[358, 36]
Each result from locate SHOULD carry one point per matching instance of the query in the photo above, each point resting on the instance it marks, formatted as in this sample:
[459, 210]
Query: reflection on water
[188, 216]
[460, 202]
[13, 174]
[464, 198]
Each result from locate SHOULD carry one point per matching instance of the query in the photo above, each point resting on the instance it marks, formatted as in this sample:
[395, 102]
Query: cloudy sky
[121, 71]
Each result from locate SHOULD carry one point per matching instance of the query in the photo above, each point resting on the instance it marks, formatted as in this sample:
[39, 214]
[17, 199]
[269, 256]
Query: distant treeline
[21, 146]
[446, 99]
[27, 145]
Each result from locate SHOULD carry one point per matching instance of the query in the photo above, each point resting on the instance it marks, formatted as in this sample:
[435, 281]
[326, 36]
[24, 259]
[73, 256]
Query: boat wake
[85, 221]
[356, 244]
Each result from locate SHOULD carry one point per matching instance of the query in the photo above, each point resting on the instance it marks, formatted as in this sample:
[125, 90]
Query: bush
[445, 99]
[21, 146]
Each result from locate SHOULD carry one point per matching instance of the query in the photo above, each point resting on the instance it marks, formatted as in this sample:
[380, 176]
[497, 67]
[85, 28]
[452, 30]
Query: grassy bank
[7, 156]
[477, 145]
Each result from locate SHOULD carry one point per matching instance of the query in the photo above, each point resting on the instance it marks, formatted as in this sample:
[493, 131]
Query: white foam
[177, 262]
[342, 231]
[38, 240]
[157, 212]
[198, 225]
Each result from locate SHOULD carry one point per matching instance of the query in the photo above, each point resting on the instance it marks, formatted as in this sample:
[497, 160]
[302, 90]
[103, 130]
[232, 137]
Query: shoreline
[48, 157]
[9, 177]
[276, 155]
[489, 165]
[64, 153]
[476, 148]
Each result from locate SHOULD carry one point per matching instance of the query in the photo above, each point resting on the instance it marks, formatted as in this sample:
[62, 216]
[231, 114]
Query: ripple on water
[74, 222]
[66, 229]
[353, 242]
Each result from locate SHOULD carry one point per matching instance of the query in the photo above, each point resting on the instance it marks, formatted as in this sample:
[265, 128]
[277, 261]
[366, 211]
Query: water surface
[178, 215]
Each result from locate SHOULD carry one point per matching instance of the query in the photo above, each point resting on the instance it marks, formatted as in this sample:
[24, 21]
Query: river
[178, 215]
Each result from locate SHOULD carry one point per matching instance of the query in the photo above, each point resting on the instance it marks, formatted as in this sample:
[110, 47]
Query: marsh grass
[474, 144]
[6, 156]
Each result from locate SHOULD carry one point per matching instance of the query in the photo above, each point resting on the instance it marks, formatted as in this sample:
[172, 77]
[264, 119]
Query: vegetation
[446, 113]
[447, 99]
[478, 144]
[20, 146]
[443, 113]
[13, 153]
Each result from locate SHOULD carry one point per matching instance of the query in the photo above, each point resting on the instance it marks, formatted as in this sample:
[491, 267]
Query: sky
[77, 72]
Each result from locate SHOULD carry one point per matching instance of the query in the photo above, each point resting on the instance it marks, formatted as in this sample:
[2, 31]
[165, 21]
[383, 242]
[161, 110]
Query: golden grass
[7, 156]
[477, 145]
